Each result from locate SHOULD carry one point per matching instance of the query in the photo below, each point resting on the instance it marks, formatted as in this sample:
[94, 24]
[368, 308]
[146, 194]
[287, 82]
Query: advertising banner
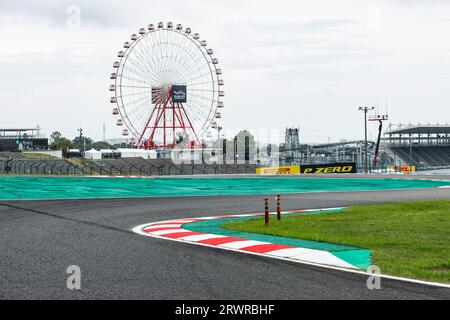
[279, 170]
[403, 169]
[348, 167]
[179, 94]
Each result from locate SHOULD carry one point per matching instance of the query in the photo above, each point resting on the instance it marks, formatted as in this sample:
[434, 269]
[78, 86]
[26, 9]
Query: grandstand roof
[418, 129]
[343, 143]
[21, 129]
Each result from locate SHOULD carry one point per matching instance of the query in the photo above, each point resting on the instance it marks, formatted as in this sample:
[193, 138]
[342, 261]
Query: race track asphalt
[40, 239]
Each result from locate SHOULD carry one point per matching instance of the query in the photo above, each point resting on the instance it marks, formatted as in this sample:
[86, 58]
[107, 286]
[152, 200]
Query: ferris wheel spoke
[142, 103]
[138, 73]
[132, 102]
[135, 80]
[132, 73]
[196, 107]
[179, 59]
[143, 73]
[133, 122]
[139, 87]
[199, 83]
[144, 52]
[130, 113]
[202, 107]
[133, 94]
[188, 54]
[200, 76]
[141, 54]
[138, 63]
[139, 60]
[202, 90]
[138, 115]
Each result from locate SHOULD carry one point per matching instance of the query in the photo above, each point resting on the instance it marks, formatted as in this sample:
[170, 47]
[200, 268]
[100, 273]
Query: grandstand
[335, 152]
[423, 146]
[22, 139]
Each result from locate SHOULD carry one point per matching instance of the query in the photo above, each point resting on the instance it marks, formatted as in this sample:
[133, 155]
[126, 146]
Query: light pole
[366, 163]
[219, 128]
[82, 137]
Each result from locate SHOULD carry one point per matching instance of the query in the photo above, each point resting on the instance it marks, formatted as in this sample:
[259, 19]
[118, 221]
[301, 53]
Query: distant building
[22, 140]
[290, 153]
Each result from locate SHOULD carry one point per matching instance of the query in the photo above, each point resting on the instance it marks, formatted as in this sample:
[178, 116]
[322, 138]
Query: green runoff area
[33, 155]
[38, 187]
[407, 239]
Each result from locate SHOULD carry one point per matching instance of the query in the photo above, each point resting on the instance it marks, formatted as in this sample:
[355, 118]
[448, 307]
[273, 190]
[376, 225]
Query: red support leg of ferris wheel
[178, 120]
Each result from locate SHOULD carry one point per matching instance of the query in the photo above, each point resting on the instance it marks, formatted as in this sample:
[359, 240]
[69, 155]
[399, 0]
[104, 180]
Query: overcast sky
[285, 63]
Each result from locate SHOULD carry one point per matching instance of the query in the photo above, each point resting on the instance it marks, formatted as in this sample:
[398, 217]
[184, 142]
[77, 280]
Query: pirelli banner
[403, 169]
[348, 167]
[279, 170]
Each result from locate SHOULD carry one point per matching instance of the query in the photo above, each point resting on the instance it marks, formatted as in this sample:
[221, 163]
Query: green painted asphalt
[15, 188]
[359, 257]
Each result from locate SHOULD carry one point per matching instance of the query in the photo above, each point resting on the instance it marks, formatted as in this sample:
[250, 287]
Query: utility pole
[82, 137]
[366, 160]
[219, 128]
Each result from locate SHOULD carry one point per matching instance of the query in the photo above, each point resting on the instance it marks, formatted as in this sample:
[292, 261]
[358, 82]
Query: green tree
[101, 145]
[61, 144]
[80, 142]
[55, 136]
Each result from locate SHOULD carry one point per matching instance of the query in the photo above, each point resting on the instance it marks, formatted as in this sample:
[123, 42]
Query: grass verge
[34, 155]
[408, 239]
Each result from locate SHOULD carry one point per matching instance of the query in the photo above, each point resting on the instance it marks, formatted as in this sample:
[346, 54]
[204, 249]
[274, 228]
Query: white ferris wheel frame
[149, 77]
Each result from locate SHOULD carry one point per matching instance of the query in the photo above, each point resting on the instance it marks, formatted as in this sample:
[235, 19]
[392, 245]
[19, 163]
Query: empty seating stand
[424, 156]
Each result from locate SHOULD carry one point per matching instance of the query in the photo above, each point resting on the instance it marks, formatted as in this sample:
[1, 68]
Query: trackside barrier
[115, 167]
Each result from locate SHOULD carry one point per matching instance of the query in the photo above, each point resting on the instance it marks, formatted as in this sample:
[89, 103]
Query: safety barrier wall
[122, 167]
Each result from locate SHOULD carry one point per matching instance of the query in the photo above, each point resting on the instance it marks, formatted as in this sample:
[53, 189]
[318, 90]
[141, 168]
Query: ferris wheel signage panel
[179, 93]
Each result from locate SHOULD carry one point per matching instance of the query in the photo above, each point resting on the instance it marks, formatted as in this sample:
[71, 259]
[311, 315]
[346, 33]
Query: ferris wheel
[167, 88]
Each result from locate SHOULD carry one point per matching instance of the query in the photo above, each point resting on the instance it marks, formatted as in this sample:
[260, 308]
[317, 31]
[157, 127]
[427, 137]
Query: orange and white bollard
[278, 207]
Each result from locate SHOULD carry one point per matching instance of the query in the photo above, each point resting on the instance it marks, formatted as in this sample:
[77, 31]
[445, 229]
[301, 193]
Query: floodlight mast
[380, 119]
[366, 160]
